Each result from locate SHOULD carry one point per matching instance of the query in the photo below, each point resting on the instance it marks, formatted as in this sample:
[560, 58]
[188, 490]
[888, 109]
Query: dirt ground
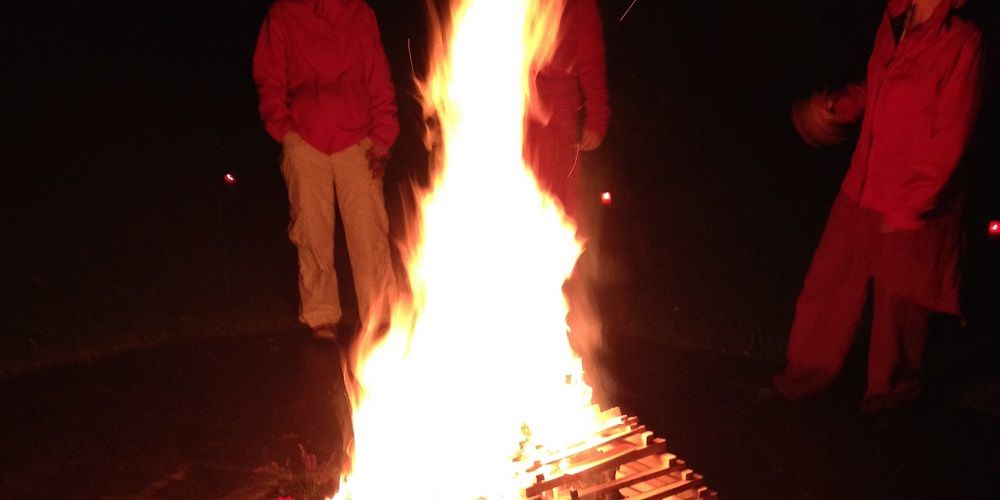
[225, 419]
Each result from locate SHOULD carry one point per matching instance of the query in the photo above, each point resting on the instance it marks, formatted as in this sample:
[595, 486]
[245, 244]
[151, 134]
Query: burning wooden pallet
[622, 460]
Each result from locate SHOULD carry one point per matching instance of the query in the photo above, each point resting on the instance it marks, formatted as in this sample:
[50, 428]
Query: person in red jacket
[894, 224]
[570, 114]
[326, 95]
[570, 106]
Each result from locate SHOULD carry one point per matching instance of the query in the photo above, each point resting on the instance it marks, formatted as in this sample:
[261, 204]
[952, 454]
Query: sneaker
[325, 333]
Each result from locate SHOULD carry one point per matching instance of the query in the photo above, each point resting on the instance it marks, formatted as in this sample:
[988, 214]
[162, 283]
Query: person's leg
[916, 324]
[830, 304]
[310, 196]
[899, 332]
[366, 227]
[884, 348]
[551, 152]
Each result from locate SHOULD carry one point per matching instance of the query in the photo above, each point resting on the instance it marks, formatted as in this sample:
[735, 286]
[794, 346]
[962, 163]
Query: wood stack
[622, 460]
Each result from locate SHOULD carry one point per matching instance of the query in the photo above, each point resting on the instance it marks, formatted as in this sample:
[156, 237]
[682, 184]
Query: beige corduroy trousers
[315, 182]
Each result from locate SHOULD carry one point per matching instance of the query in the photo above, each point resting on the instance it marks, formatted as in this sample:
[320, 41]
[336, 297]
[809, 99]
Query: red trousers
[854, 258]
[552, 152]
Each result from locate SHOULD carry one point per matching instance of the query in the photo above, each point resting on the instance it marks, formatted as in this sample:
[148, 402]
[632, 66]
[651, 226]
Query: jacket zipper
[878, 93]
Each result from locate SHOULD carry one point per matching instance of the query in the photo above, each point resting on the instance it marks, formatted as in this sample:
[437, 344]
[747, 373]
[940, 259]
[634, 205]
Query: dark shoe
[325, 333]
[903, 395]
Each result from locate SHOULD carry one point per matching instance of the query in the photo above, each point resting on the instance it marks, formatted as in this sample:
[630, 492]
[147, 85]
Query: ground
[212, 419]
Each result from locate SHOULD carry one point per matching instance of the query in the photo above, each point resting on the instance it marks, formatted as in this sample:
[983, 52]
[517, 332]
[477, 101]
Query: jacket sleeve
[592, 68]
[269, 75]
[381, 92]
[849, 103]
[935, 159]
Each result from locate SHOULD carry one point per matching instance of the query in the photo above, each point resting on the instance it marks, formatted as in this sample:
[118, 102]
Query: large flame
[475, 370]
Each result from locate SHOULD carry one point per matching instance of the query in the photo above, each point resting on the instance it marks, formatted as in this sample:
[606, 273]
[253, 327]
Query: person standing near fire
[570, 107]
[569, 115]
[326, 95]
[895, 223]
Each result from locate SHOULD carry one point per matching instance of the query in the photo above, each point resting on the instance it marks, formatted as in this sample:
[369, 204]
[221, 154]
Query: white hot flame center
[478, 359]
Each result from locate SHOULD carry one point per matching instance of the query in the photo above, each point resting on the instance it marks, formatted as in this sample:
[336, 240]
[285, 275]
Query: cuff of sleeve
[278, 130]
[379, 142]
[596, 127]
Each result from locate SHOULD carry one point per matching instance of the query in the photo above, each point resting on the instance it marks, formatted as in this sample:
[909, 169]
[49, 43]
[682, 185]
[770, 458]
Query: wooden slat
[663, 481]
[704, 492]
[630, 480]
[644, 470]
[617, 456]
[597, 444]
[617, 427]
[693, 483]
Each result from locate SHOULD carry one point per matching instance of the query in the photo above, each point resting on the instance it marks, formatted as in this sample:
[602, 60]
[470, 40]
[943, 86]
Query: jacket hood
[898, 7]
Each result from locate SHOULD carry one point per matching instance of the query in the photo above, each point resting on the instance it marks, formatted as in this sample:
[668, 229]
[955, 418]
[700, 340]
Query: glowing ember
[229, 179]
[994, 228]
[476, 370]
[606, 198]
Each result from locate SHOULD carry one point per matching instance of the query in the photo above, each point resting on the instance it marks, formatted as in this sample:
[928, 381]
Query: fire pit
[622, 460]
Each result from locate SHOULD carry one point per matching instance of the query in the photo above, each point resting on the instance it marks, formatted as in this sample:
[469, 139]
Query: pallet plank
[628, 481]
[639, 462]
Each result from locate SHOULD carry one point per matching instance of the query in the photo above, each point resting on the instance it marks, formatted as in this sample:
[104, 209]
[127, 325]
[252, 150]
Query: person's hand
[297, 150]
[815, 120]
[590, 140]
[378, 157]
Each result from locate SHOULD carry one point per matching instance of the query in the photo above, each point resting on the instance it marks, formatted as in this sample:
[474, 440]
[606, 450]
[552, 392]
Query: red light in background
[994, 228]
[606, 198]
[229, 179]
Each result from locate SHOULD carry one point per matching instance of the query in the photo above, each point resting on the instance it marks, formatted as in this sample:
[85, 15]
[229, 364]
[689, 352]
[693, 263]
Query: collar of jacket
[332, 9]
[943, 9]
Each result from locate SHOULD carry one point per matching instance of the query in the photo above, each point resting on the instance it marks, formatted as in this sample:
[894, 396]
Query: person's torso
[904, 87]
[326, 68]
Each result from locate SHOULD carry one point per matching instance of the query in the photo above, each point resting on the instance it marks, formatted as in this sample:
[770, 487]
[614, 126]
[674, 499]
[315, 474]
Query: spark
[576, 159]
[629, 9]
[409, 52]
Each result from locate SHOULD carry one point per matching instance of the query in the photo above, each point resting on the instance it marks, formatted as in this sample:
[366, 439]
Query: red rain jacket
[321, 71]
[576, 76]
[919, 101]
[572, 82]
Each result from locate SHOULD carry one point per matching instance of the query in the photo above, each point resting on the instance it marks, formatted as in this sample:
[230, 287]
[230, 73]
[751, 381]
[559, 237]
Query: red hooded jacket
[321, 71]
[920, 100]
[576, 76]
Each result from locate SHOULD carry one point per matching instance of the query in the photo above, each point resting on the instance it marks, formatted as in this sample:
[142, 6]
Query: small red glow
[606, 198]
[229, 179]
[994, 228]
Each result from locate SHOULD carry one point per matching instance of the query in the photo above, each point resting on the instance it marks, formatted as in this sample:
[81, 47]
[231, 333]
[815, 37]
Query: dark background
[148, 333]
[121, 117]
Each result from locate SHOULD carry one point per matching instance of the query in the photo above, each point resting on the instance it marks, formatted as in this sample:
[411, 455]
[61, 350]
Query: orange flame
[475, 371]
